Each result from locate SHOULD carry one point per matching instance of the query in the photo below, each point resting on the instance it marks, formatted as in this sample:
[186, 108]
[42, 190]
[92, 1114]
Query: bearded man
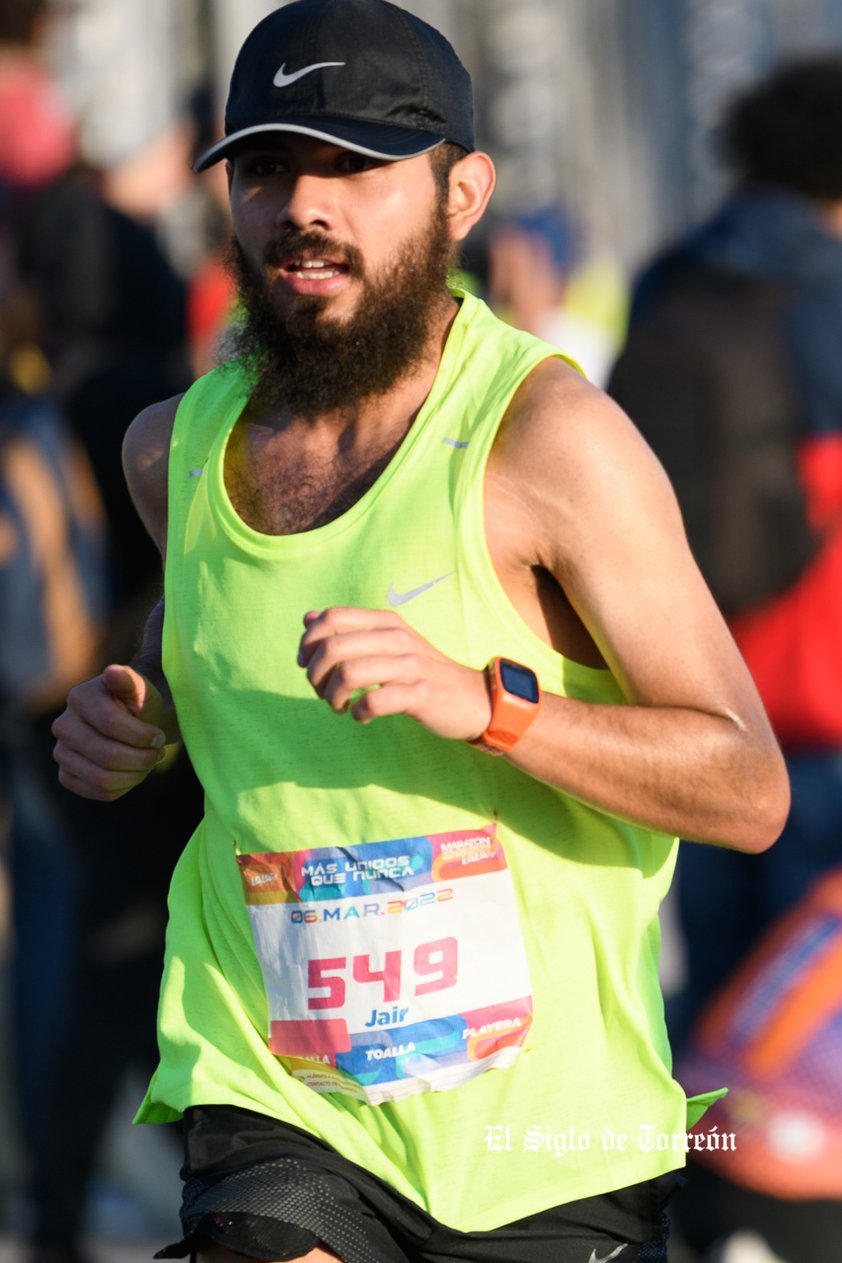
[410, 1007]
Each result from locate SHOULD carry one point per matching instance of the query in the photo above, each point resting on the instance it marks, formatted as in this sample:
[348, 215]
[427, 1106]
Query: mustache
[293, 242]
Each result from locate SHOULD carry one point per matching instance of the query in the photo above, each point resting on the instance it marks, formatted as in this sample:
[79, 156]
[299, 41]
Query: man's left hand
[374, 653]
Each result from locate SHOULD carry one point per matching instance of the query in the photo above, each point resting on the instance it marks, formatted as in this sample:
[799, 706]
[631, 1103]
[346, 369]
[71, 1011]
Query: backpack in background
[53, 591]
[774, 1035]
[706, 377]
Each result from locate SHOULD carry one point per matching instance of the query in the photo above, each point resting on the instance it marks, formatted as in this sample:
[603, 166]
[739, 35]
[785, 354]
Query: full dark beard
[302, 361]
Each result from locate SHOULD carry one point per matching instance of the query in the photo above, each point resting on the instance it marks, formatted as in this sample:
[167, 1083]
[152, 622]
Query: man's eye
[260, 167]
[356, 162]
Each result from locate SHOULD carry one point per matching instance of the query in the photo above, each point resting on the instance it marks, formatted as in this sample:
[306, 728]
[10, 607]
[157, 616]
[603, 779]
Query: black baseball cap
[363, 74]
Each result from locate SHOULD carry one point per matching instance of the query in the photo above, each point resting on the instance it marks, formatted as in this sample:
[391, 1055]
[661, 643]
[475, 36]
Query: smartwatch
[515, 700]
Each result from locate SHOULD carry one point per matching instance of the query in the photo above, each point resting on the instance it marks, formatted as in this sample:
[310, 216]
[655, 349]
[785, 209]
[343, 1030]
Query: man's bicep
[616, 544]
[145, 464]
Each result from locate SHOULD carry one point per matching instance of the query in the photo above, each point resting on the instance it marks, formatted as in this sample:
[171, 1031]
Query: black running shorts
[270, 1191]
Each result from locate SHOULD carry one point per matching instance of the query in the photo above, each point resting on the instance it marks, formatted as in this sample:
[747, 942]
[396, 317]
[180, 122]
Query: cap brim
[375, 140]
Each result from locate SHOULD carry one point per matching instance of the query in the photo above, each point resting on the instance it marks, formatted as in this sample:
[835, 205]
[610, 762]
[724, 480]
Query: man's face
[341, 263]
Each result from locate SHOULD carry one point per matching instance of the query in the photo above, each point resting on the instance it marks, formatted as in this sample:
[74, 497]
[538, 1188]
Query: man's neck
[287, 473]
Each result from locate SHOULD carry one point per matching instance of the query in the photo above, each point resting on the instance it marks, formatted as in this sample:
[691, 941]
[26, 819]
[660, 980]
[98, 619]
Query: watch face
[518, 680]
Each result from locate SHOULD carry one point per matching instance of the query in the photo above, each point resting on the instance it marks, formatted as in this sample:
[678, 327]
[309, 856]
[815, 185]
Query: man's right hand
[111, 735]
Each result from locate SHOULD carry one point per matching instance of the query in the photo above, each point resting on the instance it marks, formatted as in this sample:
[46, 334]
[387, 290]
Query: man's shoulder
[154, 425]
[556, 407]
[570, 456]
[151, 429]
[145, 462]
[547, 386]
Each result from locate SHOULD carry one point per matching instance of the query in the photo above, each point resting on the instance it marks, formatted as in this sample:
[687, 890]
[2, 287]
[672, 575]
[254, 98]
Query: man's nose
[309, 203]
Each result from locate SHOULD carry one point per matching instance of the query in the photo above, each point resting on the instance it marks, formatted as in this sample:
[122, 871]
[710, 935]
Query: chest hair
[278, 490]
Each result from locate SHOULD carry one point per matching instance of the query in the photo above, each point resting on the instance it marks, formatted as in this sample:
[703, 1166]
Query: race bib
[391, 968]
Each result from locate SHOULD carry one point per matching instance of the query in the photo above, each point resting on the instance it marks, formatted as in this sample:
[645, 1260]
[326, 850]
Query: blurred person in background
[53, 555]
[107, 335]
[39, 136]
[52, 609]
[733, 373]
[543, 277]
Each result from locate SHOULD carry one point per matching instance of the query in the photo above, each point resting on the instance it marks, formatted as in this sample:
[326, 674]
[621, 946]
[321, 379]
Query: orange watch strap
[515, 701]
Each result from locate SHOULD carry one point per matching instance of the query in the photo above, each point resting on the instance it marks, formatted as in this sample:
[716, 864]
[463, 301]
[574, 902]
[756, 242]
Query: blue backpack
[52, 557]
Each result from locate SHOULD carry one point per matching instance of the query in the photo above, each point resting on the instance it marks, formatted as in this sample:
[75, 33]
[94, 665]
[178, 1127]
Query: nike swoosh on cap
[282, 79]
[400, 598]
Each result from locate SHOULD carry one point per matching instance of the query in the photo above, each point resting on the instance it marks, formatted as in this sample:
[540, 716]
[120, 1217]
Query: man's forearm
[694, 774]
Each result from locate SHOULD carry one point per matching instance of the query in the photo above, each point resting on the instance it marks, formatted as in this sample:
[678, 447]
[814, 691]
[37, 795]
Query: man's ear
[472, 181]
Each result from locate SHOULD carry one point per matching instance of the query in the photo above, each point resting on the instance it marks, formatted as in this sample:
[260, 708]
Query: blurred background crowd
[669, 213]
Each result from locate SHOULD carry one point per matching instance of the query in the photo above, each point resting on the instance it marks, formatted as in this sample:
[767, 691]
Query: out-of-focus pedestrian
[733, 373]
[97, 329]
[544, 276]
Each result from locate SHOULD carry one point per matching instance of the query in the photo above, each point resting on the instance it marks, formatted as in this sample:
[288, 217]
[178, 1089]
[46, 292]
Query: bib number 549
[435, 964]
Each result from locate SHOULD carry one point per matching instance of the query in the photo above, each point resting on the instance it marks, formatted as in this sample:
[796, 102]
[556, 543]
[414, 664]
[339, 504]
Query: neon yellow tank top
[381, 909]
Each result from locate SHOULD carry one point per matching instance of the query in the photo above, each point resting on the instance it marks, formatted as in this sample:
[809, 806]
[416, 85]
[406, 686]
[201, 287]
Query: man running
[410, 1007]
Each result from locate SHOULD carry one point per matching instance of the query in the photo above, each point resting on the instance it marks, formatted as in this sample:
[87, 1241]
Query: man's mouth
[315, 269]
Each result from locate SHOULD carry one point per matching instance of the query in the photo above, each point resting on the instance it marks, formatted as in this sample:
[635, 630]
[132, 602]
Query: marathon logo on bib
[391, 968]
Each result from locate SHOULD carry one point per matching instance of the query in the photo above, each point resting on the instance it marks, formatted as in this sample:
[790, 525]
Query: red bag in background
[793, 647]
[792, 643]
